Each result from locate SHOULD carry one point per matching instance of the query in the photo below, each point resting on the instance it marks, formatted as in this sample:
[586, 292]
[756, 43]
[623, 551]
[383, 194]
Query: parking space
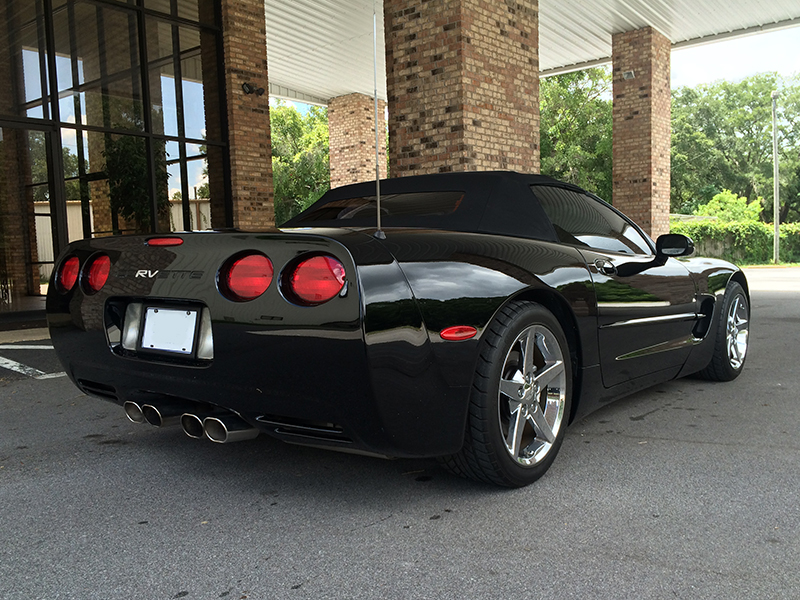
[687, 490]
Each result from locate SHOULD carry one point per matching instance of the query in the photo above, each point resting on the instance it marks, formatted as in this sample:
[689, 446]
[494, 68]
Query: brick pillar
[17, 222]
[462, 85]
[244, 40]
[17, 226]
[351, 127]
[641, 138]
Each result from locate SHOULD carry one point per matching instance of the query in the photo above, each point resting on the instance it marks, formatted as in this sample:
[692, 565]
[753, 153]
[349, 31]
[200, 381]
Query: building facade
[113, 120]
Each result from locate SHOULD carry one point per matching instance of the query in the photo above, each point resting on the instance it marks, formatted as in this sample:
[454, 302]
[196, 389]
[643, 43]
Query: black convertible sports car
[490, 311]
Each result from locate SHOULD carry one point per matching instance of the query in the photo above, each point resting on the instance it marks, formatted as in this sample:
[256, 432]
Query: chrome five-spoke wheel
[737, 331]
[520, 400]
[532, 395]
[731, 336]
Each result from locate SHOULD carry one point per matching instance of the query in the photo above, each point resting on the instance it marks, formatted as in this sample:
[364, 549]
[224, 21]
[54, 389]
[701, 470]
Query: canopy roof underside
[320, 49]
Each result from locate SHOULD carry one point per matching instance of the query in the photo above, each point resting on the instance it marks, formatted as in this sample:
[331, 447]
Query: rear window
[396, 209]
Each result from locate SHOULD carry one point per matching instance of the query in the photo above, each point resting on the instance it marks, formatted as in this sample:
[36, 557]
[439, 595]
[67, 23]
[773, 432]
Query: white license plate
[169, 330]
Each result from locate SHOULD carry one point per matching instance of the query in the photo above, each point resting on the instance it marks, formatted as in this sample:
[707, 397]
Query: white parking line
[13, 347]
[51, 375]
[13, 365]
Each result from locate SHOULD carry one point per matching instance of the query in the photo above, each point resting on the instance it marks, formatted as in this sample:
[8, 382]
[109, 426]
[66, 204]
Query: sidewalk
[24, 335]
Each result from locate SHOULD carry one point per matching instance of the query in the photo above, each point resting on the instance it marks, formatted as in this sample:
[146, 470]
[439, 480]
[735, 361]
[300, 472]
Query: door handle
[605, 267]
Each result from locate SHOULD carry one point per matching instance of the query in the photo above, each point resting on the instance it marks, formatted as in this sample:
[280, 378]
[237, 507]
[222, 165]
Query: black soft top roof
[498, 202]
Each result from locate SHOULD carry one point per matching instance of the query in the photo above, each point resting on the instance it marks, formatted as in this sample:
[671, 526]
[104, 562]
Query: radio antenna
[378, 233]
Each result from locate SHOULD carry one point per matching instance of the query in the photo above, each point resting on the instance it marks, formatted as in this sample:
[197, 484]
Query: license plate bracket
[170, 330]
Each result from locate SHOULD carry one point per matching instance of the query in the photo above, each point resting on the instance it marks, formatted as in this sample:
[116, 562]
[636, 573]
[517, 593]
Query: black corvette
[490, 311]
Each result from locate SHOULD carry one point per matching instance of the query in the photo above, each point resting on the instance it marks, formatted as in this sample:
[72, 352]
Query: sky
[733, 60]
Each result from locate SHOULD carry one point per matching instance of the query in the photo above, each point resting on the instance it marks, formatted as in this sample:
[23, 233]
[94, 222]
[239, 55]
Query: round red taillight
[68, 274]
[247, 277]
[317, 279]
[96, 273]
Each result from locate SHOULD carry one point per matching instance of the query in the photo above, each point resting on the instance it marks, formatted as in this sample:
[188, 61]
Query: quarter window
[581, 220]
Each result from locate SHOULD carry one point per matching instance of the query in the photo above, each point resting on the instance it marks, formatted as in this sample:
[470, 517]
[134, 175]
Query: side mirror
[674, 244]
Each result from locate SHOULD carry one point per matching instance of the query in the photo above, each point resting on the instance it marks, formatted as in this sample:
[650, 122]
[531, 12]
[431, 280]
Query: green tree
[129, 176]
[575, 129]
[38, 156]
[722, 139]
[727, 206]
[300, 168]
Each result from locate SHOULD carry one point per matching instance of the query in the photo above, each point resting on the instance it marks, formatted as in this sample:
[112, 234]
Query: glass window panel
[199, 205]
[106, 47]
[129, 182]
[193, 99]
[188, 9]
[185, 9]
[37, 162]
[195, 150]
[583, 221]
[31, 74]
[70, 151]
[175, 185]
[162, 6]
[21, 60]
[102, 224]
[173, 156]
[159, 40]
[189, 41]
[164, 105]
[45, 253]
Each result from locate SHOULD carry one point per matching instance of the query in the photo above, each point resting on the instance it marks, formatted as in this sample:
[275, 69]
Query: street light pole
[776, 187]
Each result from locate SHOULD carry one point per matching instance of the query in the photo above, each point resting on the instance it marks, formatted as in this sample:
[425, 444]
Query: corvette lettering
[160, 274]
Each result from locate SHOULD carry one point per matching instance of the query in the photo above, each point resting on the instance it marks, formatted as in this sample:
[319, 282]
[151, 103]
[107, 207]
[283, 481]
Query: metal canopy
[320, 49]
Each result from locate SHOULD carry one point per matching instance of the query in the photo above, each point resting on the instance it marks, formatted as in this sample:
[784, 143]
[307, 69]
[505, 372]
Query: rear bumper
[311, 387]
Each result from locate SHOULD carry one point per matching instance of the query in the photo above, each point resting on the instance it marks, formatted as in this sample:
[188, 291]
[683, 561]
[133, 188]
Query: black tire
[731, 336]
[520, 399]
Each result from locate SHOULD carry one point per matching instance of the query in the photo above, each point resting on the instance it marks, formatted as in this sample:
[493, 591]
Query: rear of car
[266, 326]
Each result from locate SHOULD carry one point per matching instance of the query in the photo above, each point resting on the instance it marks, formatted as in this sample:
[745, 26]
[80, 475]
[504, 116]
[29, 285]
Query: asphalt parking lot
[687, 490]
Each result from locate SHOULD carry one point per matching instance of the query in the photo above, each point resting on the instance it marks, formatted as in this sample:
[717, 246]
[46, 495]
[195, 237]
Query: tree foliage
[300, 168]
[722, 139]
[727, 206]
[575, 129]
[129, 177]
[39, 169]
[743, 242]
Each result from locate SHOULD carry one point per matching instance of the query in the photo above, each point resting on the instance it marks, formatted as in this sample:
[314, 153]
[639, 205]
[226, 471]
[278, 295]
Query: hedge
[741, 242]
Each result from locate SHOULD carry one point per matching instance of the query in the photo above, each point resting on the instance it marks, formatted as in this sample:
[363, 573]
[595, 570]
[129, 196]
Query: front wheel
[520, 399]
[731, 337]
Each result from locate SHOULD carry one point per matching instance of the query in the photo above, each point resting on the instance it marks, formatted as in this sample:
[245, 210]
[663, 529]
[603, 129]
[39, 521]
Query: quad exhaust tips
[216, 424]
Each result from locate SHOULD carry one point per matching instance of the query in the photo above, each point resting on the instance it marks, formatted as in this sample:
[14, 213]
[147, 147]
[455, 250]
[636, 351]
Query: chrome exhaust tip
[134, 412]
[228, 428]
[164, 415]
[192, 426]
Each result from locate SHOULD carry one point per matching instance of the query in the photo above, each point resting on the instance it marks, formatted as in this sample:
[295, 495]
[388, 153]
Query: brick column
[17, 222]
[244, 40]
[462, 85]
[641, 130]
[351, 131]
